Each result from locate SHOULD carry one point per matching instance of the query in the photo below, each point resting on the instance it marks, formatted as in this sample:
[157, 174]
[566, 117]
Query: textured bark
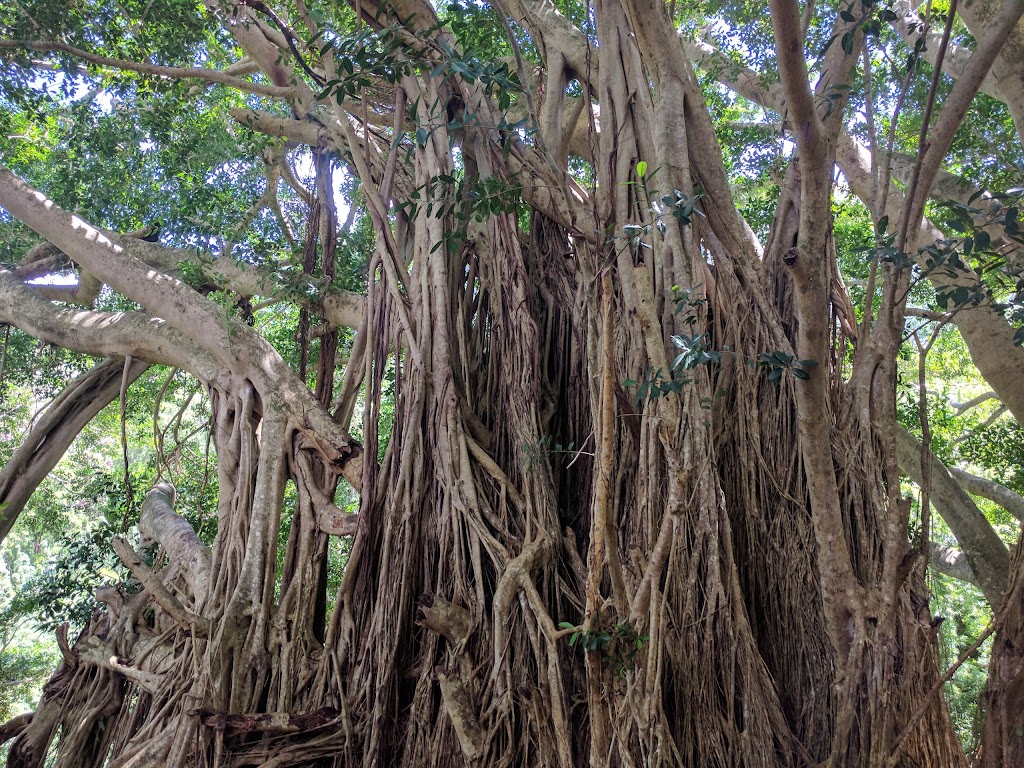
[720, 574]
[1003, 737]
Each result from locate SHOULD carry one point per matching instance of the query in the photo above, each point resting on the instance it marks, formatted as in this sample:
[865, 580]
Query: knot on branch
[791, 256]
[446, 618]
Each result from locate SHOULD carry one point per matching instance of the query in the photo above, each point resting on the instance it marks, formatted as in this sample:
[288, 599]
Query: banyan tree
[629, 471]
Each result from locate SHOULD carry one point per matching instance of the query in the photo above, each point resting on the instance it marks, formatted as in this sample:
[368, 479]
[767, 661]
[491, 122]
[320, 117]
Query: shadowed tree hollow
[629, 472]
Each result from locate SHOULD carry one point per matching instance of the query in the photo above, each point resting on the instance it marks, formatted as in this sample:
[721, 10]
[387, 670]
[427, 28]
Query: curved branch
[556, 35]
[956, 104]
[154, 70]
[52, 434]
[197, 324]
[1006, 69]
[102, 333]
[15, 726]
[991, 490]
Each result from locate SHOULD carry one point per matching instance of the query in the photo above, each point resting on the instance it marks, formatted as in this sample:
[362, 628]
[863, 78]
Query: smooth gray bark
[984, 550]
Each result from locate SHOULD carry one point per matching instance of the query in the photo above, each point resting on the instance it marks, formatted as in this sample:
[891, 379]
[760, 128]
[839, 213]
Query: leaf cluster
[620, 644]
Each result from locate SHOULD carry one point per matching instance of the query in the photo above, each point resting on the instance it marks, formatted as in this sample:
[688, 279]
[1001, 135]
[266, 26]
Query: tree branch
[158, 590]
[789, 47]
[239, 350]
[962, 408]
[153, 70]
[956, 104]
[984, 550]
[951, 562]
[158, 522]
[52, 433]
[103, 334]
[991, 490]
[908, 26]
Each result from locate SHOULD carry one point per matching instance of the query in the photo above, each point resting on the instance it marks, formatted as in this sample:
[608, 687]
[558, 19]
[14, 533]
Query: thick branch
[981, 545]
[951, 562]
[340, 308]
[1006, 69]
[908, 26]
[792, 60]
[15, 726]
[268, 722]
[239, 349]
[104, 334]
[158, 522]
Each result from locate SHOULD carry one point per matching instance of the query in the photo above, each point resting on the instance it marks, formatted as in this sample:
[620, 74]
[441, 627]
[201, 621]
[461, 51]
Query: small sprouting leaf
[641, 168]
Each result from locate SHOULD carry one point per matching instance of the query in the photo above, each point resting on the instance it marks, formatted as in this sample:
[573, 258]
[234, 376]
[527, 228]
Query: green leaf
[641, 168]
